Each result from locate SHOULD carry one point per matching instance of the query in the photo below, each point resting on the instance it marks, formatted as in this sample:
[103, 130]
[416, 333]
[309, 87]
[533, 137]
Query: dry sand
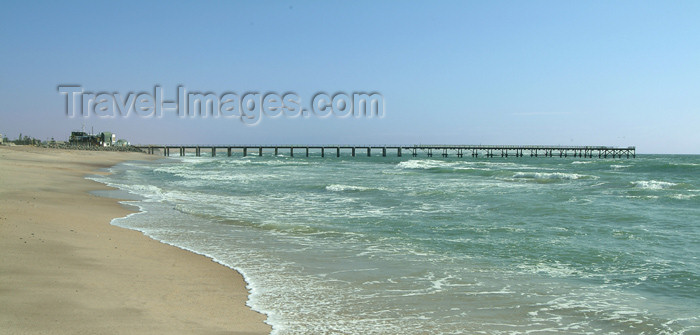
[65, 270]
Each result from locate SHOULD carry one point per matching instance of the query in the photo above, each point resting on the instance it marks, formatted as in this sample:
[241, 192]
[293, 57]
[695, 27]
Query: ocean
[418, 245]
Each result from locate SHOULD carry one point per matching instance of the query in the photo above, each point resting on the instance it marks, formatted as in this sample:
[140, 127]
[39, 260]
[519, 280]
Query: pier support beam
[369, 152]
[353, 151]
[213, 152]
[307, 151]
[323, 152]
[228, 151]
[384, 152]
[398, 152]
[291, 151]
[337, 151]
[260, 151]
[245, 152]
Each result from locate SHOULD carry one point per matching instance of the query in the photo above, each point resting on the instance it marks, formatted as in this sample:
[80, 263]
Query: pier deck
[400, 150]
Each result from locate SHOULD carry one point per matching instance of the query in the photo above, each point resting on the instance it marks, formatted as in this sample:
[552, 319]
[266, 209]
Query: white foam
[150, 192]
[424, 164]
[192, 173]
[342, 188]
[581, 201]
[642, 196]
[653, 184]
[504, 290]
[683, 196]
[552, 176]
[619, 167]
[557, 270]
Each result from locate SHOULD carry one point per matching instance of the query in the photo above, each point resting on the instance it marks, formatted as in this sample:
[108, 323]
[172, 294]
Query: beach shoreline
[65, 269]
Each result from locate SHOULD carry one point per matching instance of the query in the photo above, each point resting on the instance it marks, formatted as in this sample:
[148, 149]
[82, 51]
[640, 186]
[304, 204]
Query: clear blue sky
[468, 72]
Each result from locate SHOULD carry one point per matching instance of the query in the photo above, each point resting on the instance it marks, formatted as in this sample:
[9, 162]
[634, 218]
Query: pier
[398, 150]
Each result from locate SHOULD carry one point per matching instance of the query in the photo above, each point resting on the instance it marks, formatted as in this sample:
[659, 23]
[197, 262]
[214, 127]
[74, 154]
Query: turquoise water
[389, 245]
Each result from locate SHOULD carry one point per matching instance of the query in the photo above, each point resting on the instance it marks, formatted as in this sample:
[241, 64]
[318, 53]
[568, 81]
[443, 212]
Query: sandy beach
[65, 270]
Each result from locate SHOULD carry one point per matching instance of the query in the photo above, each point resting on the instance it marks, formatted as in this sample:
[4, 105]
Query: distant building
[104, 139]
[83, 138]
[1, 139]
[108, 139]
[122, 143]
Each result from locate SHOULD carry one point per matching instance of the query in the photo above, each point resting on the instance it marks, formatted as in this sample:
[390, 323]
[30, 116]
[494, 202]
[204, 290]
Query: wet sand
[65, 270]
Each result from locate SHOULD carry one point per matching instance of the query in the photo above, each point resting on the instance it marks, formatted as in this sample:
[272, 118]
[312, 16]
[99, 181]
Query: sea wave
[342, 188]
[424, 164]
[149, 192]
[619, 167]
[551, 176]
[685, 164]
[647, 197]
[553, 270]
[653, 184]
[189, 172]
[683, 196]
[439, 166]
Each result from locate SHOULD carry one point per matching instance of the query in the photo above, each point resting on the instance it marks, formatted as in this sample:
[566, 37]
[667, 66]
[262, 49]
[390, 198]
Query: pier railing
[444, 150]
